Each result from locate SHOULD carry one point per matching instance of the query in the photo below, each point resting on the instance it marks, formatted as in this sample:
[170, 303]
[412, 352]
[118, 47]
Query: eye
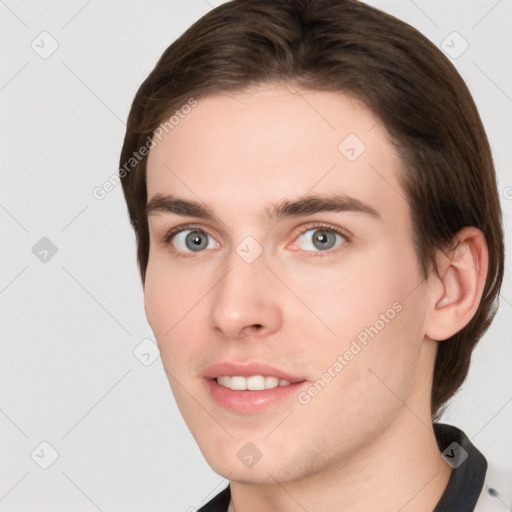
[190, 240]
[322, 238]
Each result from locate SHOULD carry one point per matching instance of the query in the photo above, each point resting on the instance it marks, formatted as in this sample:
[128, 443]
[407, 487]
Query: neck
[402, 470]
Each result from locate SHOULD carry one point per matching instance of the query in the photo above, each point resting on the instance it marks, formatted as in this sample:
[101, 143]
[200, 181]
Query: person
[320, 243]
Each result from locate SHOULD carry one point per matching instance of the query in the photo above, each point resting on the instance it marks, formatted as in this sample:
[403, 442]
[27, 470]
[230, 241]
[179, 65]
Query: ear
[457, 287]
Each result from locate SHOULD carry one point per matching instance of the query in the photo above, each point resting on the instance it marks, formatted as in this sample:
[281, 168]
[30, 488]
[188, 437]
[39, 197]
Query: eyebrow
[305, 205]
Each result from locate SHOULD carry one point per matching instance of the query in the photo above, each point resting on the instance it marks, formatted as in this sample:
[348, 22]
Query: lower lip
[251, 401]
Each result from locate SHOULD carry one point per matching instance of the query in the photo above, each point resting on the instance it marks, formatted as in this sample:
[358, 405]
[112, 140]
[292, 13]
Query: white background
[70, 325]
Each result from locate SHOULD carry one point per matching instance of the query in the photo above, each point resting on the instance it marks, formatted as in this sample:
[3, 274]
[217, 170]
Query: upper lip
[248, 369]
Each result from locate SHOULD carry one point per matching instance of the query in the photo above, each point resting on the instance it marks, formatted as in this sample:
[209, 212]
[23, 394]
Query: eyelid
[324, 225]
[178, 229]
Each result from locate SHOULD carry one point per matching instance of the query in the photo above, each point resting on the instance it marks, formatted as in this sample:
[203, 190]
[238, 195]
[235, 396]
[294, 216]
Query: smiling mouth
[251, 383]
[251, 394]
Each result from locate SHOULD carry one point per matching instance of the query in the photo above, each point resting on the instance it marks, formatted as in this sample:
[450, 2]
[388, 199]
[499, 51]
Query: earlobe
[462, 279]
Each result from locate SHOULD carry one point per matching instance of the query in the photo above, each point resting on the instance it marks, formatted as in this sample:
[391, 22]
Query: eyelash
[315, 225]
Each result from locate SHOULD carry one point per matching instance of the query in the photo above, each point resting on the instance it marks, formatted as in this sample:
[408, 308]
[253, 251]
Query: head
[268, 102]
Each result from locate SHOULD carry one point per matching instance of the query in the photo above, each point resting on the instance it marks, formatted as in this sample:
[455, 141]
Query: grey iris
[323, 239]
[196, 240]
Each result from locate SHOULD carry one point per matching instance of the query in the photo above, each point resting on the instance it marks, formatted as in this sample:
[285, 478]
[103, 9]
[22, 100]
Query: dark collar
[464, 486]
[218, 504]
[470, 466]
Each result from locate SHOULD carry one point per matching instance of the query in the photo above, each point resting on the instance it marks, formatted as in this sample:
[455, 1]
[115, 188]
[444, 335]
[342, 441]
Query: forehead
[245, 150]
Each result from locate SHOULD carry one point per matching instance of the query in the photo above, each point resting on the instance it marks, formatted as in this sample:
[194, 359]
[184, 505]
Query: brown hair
[345, 45]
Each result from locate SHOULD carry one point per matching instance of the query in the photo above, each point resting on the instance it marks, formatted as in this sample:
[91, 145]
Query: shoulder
[219, 503]
[496, 495]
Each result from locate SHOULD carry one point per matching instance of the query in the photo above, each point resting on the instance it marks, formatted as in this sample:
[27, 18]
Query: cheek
[353, 296]
[168, 295]
[370, 371]
[158, 302]
[170, 301]
[376, 310]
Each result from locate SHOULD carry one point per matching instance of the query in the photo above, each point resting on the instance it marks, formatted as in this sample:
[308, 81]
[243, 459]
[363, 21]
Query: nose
[244, 301]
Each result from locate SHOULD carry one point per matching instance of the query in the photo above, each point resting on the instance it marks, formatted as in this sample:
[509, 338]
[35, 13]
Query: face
[282, 260]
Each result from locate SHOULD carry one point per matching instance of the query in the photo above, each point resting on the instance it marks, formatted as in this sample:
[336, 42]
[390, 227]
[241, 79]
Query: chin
[259, 474]
[268, 466]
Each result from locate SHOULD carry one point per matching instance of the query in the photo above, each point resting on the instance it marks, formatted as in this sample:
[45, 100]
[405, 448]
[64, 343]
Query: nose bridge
[244, 295]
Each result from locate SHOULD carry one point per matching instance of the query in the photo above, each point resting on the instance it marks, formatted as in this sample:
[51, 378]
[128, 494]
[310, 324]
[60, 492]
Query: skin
[365, 442]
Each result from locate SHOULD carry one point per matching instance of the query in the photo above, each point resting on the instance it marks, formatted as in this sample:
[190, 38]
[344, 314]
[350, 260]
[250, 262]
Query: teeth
[238, 383]
[253, 383]
[224, 381]
[271, 382]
